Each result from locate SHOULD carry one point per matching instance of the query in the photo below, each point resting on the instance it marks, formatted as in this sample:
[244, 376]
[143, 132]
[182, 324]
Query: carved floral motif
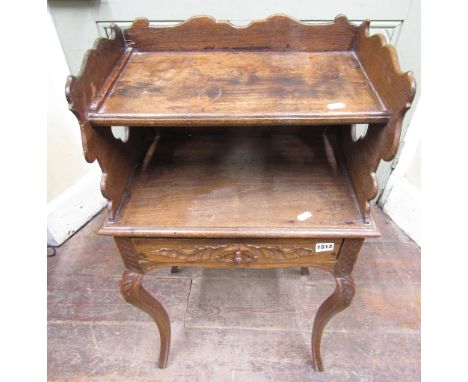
[134, 293]
[347, 289]
[222, 252]
[347, 257]
[129, 281]
[128, 253]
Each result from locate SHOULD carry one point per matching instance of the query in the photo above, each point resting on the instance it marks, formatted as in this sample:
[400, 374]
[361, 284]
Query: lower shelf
[234, 186]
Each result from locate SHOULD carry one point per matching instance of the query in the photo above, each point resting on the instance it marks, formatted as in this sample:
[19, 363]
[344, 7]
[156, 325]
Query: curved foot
[175, 269]
[134, 293]
[339, 300]
[305, 271]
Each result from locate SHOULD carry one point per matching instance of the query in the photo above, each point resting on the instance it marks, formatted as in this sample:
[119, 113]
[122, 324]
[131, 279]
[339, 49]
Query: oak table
[240, 150]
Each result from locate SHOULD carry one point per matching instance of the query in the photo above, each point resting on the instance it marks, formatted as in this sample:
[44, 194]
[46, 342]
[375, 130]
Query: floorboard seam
[187, 304]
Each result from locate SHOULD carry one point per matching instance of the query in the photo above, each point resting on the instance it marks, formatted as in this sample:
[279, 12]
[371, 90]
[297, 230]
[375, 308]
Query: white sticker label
[304, 216]
[324, 247]
[337, 105]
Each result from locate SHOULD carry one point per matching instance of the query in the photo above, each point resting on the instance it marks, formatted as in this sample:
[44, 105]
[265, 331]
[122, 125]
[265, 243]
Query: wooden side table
[240, 151]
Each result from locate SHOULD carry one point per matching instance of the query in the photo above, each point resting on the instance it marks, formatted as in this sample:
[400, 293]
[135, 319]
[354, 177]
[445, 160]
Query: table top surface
[232, 88]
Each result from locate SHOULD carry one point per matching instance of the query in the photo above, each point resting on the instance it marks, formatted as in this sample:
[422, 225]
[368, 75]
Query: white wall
[73, 194]
[401, 198]
[403, 190]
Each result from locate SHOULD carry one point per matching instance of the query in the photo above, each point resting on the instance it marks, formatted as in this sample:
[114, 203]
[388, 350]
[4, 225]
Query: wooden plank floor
[233, 325]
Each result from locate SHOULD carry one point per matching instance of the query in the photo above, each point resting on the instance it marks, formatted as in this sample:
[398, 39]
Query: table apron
[225, 253]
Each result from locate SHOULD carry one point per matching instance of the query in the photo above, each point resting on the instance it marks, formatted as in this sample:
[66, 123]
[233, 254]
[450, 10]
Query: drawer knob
[237, 257]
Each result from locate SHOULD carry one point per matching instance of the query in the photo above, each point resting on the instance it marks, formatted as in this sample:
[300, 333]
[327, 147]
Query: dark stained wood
[277, 33]
[254, 165]
[135, 294]
[238, 88]
[238, 185]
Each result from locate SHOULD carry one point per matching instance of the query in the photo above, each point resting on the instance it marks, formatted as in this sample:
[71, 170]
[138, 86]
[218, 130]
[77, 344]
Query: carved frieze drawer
[239, 253]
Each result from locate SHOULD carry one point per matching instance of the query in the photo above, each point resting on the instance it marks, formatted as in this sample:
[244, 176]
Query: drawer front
[256, 253]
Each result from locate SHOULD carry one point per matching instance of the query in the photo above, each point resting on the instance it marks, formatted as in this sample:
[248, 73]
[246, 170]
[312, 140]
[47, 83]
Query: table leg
[134, 293]
[341, 297]
[339, 300]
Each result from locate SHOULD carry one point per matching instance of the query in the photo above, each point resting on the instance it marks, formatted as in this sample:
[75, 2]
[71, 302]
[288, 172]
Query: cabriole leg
[341, 297]
[135, 294]
[339, 300]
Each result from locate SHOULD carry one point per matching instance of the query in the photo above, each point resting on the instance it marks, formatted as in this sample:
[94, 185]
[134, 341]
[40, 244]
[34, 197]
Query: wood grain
[240, 185]
[276, 33]
[205, 72]
[134, 293]
[395, 87]
[339, 300]
[237, 195]
[219, 253]
[251, 321]
[396, 90]
[237, 88]
[116, 159]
